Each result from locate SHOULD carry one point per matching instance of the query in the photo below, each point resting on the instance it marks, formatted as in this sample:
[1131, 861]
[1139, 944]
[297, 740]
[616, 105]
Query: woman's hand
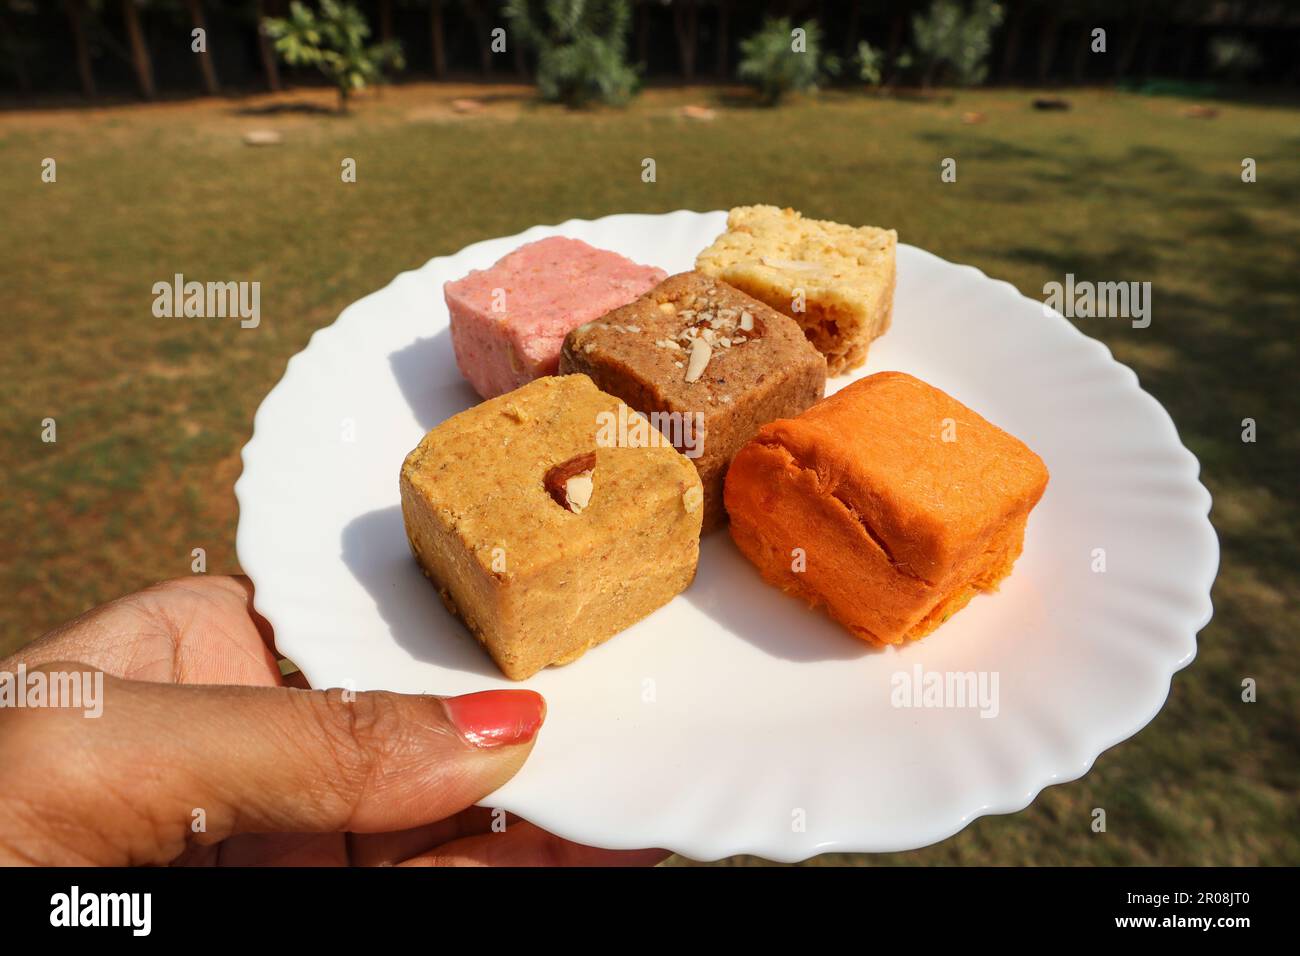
[203, 755]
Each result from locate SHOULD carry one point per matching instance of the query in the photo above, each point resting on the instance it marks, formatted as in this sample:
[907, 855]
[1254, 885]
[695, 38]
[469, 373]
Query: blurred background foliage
[579, 50]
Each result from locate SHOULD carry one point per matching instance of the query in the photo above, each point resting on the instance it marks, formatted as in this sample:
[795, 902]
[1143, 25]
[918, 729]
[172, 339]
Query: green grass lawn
[152, 413]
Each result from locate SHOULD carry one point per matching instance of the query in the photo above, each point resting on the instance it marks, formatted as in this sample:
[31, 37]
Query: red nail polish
[497, 718]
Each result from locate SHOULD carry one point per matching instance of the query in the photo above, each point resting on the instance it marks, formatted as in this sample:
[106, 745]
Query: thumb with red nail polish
[497, 718]
[263, 760]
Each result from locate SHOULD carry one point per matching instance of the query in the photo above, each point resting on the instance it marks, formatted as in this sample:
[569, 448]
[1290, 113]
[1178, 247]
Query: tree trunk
[1082, 51]
[481, 27]
[19, 62]
[206, 67]
[521, 60]
[77, 19]
[855, 27]
[437, 44]
[1188, 52]
[1152, 60]
[642, 30]
[266, 51]
[686, 22]
[1132, 36]
[724, 37]
[896, 27]
[1047, 45]
[1011, 52]
[139, 50]
[385, 20]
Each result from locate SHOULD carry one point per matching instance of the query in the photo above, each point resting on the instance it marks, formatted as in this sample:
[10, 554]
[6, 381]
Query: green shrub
[1234, 56]
[333, 41]
[781, 59]
[870, 64]
[581, 48]
[954, 43]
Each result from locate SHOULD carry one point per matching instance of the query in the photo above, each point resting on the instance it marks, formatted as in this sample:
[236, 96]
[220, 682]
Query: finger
[388, 849]
[187, 630]
[255, 760]
[283, 849]
[245, 584]
[525, 844]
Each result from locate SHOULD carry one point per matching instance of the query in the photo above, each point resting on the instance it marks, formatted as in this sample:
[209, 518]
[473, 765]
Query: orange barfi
[889, 503]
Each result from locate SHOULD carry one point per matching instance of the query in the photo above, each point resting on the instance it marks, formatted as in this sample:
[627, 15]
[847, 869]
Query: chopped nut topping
[719, 330]
[701, 352]
[667, 308]
[577, 490]
[692, 499]
[570, 483]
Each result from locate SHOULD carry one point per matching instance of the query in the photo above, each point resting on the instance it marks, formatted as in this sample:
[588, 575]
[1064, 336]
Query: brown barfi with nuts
[706, 364]
[543, 540]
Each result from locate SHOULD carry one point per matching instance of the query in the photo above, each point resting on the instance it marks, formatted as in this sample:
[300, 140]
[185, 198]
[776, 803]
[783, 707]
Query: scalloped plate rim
[700, 847]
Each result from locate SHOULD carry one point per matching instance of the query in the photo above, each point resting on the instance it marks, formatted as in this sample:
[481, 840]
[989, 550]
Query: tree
[206, 67]
[140, 59]
[478, 12]
[642, 31]
[1048, 35]
[437, 39]
[581, 48]
[1136, 20]
[333, 41]
[264, 49]
[437, 34]
[78, 16]
[686, 27]
[781, 58]
[15, 48]
[1191, 13]
[724, 37]
[894, 53]
[955, 42]
[1011, 48]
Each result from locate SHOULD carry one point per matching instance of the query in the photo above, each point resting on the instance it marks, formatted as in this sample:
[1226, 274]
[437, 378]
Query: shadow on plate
[728, 589]
[431, 383]
[376, 552]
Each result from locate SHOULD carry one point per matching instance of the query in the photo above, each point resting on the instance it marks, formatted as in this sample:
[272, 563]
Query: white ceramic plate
[734, 720]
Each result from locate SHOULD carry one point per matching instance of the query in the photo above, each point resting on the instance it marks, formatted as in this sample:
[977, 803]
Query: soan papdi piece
[544, 542]
[836, 281]
[507, 322]
[706, 364]
[904, 501]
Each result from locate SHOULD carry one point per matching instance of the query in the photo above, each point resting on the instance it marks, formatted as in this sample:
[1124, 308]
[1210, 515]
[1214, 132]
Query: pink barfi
[508, 322]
